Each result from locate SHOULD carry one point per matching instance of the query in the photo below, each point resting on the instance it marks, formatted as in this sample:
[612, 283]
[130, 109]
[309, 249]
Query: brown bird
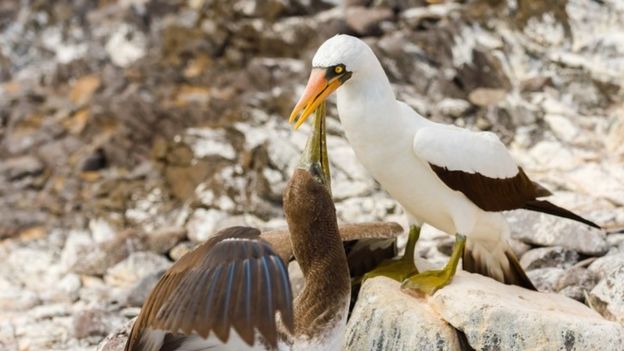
[233, 291]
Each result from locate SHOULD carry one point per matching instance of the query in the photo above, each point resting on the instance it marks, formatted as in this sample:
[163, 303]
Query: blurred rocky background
[130, 130]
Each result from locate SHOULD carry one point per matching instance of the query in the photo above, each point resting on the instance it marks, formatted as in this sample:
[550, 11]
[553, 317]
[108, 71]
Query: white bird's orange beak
[317, 90]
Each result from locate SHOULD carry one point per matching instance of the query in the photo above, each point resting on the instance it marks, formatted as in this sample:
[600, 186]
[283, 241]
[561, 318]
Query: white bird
[451, 178]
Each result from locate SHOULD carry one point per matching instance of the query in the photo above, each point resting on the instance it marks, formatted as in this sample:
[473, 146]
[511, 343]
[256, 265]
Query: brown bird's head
[308, 194]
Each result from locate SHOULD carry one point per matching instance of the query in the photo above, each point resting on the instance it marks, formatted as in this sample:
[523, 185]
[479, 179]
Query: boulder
[133, 269]
[603, 266]
[608, 296]
[546, 230]
[386, 318]
[548, 257]
[495, 316]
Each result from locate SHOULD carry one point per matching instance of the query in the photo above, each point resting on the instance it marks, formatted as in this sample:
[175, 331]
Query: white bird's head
[337, 60]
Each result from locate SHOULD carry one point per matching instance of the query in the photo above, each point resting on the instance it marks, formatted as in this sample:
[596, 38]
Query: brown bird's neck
[318, 248]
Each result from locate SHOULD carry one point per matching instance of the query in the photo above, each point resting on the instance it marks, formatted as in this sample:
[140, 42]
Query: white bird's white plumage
[462, 150]
[337, 49]
[396, 144]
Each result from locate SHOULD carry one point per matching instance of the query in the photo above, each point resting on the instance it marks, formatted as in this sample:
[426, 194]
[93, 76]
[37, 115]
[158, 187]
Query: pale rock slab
[606, 265]
[385, 318]
[546, 230]
[608, 296]
[496, 316]
[544, 257]
[134, 268]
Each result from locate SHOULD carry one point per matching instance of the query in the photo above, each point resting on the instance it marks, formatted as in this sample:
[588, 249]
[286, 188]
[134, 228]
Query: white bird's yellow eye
[338, 69]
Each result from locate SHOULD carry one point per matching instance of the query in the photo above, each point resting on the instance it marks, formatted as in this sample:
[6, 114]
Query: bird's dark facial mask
[314, 158]
[323, 81]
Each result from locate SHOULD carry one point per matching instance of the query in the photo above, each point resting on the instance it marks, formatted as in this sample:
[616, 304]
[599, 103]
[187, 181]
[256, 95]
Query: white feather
[463, 150]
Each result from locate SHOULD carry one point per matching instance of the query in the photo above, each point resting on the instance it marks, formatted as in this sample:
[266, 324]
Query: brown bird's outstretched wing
[373, 237]
[235, 281]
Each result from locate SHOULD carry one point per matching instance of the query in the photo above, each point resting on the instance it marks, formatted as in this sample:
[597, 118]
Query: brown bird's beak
[317, 90]
[314, 158]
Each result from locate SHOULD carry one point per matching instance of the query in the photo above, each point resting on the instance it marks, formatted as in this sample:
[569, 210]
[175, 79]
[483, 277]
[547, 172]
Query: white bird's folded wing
[478, 165]
[462, 150]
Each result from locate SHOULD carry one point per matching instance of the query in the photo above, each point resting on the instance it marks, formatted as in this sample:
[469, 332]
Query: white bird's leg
[430, 281]
[399, 268]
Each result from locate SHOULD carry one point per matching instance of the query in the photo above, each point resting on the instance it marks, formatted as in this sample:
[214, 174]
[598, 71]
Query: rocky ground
[132, 129]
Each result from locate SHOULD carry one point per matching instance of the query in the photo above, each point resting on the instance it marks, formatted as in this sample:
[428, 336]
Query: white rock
[34, 268]
[546, 230]
[453, 107]
[126, 45]
[607, 265]
[608, 296]
[386, 318]
[552, 155]
[209, 142]
[65, 290]
[545, 279]
[101, 230]
[134, 268]
[203, 223]
[563, 128]
[14, 298]
[601, 181]
[495, 316]
[548, 257]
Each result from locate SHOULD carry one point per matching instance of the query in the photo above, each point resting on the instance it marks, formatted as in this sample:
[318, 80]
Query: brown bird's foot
[430, 281]
[399, 268]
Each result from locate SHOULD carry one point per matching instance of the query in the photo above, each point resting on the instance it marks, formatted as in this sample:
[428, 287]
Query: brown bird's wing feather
[235, 280]
[280, 238]
[366, 245]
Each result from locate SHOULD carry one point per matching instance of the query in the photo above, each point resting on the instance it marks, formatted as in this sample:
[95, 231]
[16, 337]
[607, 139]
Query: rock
[545, 230]
[126, 45]
[548, 257]
[417, 16]
[608, 296]
[116, 341]
[83, 255]
[486, 96]
[164, 239]
[601, 181]
[8, 341]
[19, 167]
[575, 282]
[604, 266]
[386, 318]
[453, 107]
[134, 268]
[203, 224]
[209, 142]
[65, 290]
[95, 322]
[141, 290]
[15, 298]
[495, 316]
[545, 279]
[365, 21]
[181, 249]
[562, 127]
